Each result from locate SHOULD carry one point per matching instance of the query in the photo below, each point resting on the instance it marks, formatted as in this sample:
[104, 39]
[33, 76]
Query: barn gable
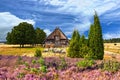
[56, 39]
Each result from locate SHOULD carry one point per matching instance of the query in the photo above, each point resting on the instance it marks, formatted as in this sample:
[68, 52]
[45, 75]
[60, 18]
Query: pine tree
[74, 47]
[95, 40]
[91, 42]
[84, 48]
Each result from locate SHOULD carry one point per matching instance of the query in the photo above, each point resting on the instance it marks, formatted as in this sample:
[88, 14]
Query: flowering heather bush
[33, 70]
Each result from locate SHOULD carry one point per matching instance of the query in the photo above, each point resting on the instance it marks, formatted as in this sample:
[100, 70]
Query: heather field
[55, 68]
[20, 64]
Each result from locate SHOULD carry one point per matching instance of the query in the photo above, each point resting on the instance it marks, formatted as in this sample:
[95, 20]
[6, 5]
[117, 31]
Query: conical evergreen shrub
[84, 48]
[95, 40]
[74, 47]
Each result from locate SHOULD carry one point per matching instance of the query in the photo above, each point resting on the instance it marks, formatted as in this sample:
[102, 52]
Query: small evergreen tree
[74, 48]
[95, 40]
[38, 53]
[91, 39]
[84, 48]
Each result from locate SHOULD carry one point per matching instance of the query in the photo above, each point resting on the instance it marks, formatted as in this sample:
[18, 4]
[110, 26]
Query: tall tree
[23, 33]
[40, 36]
[74, 47]
[95, 39]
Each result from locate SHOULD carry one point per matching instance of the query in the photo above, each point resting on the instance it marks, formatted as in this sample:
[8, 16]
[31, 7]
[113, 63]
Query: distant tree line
[113, 40]
[92, 48]
[24, 33]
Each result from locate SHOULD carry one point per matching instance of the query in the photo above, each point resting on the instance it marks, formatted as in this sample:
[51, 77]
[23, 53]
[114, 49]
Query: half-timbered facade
[56, 39]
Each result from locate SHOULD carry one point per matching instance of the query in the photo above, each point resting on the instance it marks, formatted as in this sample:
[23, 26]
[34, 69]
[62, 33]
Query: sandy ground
[112, 55]
[6, 45]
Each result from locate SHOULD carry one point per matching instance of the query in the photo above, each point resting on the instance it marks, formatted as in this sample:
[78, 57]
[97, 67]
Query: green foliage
[84, 48]
[113, 40]
[84, 51]
[95, 40]
[110, 65]
[19, 60]
[40, 36]
[23, 33]
[78, 46]
[90, 55]
[43, 69]
[34, 61]
[26, 64]
[92, 48]
[9, 38]
[38, 53]
[34, 70]
[41, 61]
[74, 47]
[62, 64]
[85, 63]
[20, 75]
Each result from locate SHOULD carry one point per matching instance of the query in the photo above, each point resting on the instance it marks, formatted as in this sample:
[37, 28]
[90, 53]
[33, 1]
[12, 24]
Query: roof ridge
[57, 28]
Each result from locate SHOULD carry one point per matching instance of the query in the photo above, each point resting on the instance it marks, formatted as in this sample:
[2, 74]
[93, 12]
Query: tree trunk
[22, 45]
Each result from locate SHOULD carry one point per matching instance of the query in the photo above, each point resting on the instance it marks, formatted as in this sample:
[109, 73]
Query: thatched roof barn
[56, 39]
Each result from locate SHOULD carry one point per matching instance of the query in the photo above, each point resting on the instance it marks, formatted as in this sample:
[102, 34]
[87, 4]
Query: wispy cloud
[111, 35]
[8, 21]
[47, 31]
[86, 7]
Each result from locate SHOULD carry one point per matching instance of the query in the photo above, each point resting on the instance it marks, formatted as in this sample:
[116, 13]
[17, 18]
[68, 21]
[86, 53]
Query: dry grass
[27, 51]
[15, 50]
[112, 47]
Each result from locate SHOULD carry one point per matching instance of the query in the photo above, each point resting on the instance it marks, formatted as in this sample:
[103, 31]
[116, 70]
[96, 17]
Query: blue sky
[66, 14]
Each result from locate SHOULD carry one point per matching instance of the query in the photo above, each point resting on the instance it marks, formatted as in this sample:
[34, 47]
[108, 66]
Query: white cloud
[85, 9]
[109, 23]
[84, 26]
[111, 35]
[47, 31]
[55, 2]
[68, 33]
[8, 21]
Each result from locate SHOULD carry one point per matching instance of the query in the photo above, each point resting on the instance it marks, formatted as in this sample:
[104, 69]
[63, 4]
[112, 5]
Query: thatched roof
[57, 32]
